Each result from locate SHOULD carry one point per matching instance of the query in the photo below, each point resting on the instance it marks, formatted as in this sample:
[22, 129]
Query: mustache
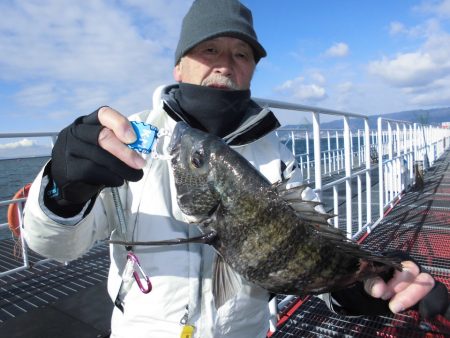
[220, 80]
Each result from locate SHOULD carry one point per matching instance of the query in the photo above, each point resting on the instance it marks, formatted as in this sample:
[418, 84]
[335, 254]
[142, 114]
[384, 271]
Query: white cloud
[88, 53]
[338, 50]
[438, 8]
[60, 114]
[424, 30]
[345, 87]
[24, 143]
[24, 148]
[39, 95]
[439, 98]
[297, 89]
[397, 28]
[317, 77]
[415, 75]
[419, 68]
[79, 41]
[407, 69]
[158, 10]
[437, 93]
[423, 75]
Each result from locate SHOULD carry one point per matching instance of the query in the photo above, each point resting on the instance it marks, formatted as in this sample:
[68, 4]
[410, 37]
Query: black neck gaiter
[218, 111]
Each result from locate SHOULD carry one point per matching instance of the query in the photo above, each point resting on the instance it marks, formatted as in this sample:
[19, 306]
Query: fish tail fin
[379, 265]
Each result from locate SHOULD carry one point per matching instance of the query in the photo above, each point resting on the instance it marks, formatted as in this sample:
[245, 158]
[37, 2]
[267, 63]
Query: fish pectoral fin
[226, 282]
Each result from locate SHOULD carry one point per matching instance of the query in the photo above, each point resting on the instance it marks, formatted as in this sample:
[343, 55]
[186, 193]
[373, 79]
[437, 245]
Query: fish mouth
[177, 134]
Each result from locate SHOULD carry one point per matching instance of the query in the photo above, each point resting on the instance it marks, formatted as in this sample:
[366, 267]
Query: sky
[60, 59]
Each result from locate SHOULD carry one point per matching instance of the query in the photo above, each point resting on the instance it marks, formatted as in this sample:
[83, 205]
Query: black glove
[435, 302]
[80, 168]
[355, 301]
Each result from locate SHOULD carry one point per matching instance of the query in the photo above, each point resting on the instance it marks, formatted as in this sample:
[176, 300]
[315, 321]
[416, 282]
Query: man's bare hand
[405, 289]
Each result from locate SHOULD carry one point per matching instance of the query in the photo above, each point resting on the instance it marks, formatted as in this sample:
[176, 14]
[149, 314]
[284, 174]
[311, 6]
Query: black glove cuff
[354, 301]
[435, 302]
[58, 205]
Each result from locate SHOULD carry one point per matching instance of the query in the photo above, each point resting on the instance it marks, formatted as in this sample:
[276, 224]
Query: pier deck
[54, 300]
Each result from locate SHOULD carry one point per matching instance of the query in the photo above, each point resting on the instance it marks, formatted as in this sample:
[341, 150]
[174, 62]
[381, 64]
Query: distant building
[446, 125]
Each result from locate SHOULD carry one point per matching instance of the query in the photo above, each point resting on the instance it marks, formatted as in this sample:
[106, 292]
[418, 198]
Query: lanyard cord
[207, 238]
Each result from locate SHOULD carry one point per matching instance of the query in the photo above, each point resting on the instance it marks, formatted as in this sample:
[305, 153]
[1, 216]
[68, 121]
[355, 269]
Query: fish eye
[197, 159]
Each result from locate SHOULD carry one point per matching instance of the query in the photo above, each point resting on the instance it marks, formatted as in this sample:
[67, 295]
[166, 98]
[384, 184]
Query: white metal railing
[344, 157]
[51, 137]
[304, 158]
[25, 264]
[403, 149]
[332, 157]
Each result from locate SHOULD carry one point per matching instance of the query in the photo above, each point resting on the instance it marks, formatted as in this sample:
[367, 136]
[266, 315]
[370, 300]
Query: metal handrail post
[317, 162]
[26, 262]
[336, 206]
[390, 164]
[338, 159]
[308, 160]
[359, 148]
[412, 157]
[293, 143]
[380, 169]
[348, 186]
[273, 310]
[368, 176]
[329, 153]
[398, 177]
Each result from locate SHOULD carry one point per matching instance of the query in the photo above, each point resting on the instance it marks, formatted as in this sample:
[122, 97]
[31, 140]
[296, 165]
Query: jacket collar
[256, 123]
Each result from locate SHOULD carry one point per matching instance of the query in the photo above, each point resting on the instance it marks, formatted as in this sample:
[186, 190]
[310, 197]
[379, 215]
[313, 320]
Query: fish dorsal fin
[305, 209]
[282, 187]
[226, 282]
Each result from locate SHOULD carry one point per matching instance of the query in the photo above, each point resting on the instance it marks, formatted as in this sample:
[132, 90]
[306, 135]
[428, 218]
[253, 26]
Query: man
[69, 209]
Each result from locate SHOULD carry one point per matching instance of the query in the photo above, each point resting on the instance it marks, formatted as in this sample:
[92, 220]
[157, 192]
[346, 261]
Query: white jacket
[181, 275]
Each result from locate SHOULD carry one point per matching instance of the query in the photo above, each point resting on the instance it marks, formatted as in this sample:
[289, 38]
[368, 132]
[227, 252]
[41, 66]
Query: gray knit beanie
[207, 19]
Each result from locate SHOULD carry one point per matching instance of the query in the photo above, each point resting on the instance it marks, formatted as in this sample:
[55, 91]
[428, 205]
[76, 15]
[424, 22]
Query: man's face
[223, 62]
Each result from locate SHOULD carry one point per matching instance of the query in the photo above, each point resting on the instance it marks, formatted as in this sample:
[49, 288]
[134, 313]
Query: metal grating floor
[53, 299]
[313, 319]
[419, 224]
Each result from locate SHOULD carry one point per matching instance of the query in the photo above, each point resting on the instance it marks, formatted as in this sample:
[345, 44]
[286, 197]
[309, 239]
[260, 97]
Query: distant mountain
[425, 116]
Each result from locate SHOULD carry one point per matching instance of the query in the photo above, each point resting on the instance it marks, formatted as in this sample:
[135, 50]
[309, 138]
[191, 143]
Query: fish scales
[263, 228]
[266, 233]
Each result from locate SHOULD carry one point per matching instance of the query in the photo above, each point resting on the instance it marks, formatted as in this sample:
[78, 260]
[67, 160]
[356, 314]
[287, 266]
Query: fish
[262, 231]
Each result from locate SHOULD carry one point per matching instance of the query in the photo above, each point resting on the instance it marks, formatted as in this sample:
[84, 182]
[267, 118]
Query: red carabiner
[137, 277]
